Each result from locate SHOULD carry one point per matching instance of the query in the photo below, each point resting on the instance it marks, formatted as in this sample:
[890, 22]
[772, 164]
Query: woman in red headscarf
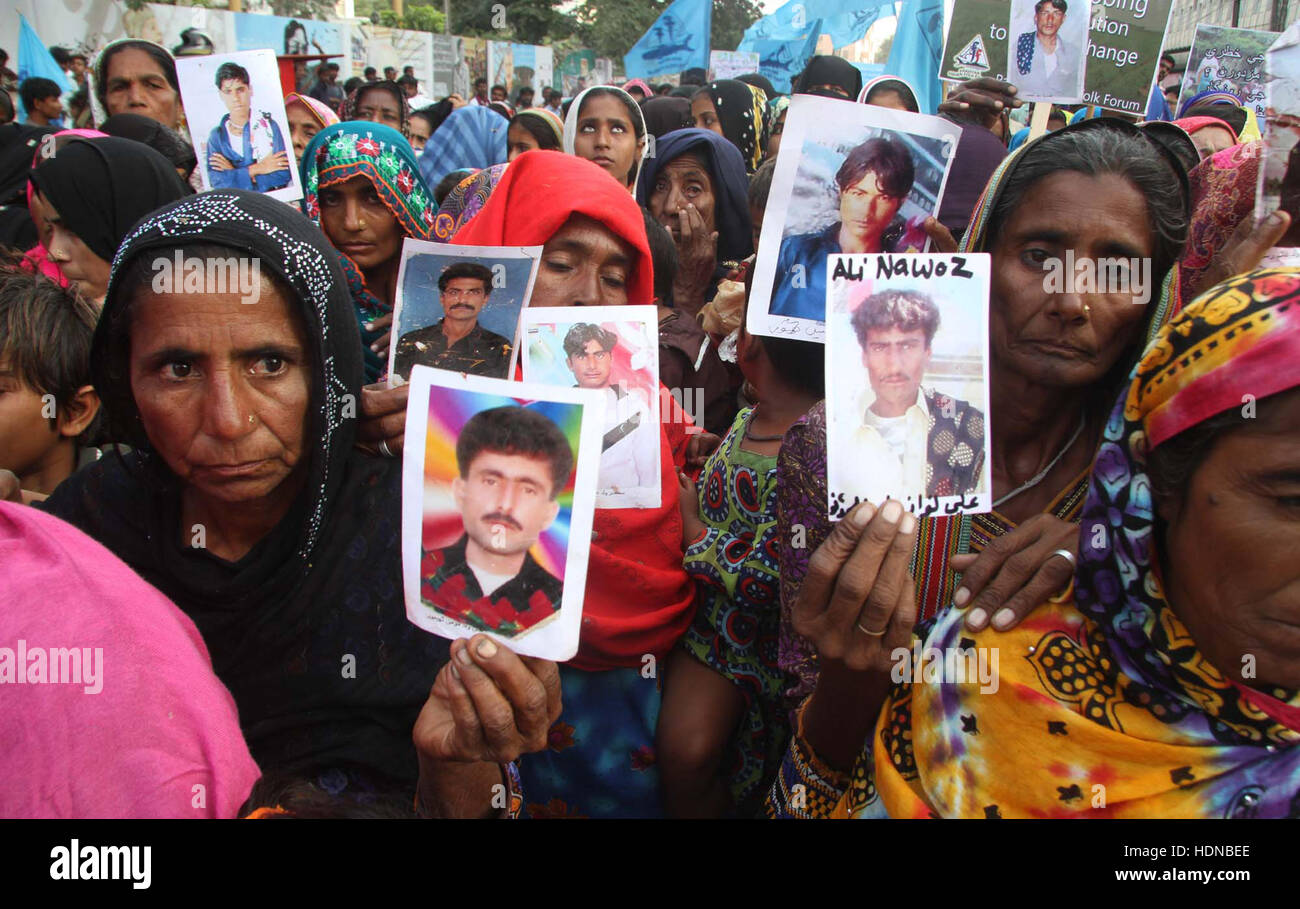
[639, 600]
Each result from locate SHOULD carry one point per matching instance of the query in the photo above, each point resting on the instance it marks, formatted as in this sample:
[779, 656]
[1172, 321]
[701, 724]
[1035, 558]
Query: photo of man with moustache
[513, 463]
[457, 341]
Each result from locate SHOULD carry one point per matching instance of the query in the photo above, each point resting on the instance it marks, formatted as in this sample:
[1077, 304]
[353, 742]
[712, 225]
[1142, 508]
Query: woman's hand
[383, 418]
[688, 500]
[980, 100]
[10, 490]
[857, 605]
[697, 253]
[1245, 248]
[380, 345]
[941, 238]
[698, 448]
[857, 602]
[488, 705]
[1016, 572]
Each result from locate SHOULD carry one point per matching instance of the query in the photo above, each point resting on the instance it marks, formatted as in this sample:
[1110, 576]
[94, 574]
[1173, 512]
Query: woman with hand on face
[606, 126]
[1163, 682]
[1099, 189]
[307, 117]
[695, 187]
[91, 191]
[245, 501]
[363, 187]
[638, 600]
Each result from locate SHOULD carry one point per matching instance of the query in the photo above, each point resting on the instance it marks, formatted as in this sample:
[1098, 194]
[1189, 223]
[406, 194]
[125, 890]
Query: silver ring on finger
[385, 450]
[874, 634]
[1068, 556]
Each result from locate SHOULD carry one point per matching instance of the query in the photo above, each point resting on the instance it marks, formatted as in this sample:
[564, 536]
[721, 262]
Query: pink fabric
[1192, 124]
[161, 736]
[323, 114]
[38, 259]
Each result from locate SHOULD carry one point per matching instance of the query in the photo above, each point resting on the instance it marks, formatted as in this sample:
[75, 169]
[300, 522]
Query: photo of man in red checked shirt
[513, 463]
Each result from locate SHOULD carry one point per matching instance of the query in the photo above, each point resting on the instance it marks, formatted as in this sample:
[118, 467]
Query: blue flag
[679, 40]
[35, 60]
[845, 21]
[914, 56]
[782, 60]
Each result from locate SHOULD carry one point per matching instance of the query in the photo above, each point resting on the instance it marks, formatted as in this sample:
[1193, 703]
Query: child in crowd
[722, 730]
[47, 402]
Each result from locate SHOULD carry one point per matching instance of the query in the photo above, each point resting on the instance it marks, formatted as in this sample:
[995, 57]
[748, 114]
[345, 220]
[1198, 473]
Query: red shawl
[639, 599]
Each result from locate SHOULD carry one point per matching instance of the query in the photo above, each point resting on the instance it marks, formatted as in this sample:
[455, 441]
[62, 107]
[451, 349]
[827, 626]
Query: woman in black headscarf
[165, 141]
[19, 143]
[664, 113]
[733, 109]
[93, 190]
[831, 76]
[247, 504]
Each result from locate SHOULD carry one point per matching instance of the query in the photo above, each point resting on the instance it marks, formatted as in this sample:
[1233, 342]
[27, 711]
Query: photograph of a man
[246, 150]
[457, 341]
[513, 463]
[873, 182]
[1047, 59]
[630, 446]
[911, 441]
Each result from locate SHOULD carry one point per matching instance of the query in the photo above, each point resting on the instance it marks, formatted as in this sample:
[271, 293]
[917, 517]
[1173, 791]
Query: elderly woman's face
[303, 126]
[1231, 542]
[223, 388]
[1067, 337]
[75, 259]
[1210, 140]
[584, 264]
[136, 84]
[379, 106]
[683, 181]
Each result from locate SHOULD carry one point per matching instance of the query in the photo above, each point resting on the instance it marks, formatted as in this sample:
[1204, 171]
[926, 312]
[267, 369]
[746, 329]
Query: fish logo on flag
[678, 40]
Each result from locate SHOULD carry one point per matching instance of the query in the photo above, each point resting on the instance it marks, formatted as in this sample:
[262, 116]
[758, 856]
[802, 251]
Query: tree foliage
[611, 27]
[730, 19]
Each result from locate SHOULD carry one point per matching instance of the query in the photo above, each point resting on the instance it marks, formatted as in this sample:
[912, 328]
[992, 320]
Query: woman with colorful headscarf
[639, 86]
[533, 128]
[1210, 135]
[606, 126]
[1056, 360]
[472, 136]
[734, 110]
[1127, 695]
[363, 187]
[307, 117]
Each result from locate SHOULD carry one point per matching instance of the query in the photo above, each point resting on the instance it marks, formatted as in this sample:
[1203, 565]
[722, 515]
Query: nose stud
[252, 419]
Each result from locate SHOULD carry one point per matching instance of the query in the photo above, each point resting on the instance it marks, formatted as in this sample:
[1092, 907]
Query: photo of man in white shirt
[629, 459]
[1047, 64]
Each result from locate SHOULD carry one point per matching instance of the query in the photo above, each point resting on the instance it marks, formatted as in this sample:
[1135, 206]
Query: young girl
[721, 730]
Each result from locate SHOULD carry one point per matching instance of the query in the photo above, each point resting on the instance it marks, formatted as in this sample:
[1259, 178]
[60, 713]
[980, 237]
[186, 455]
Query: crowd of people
[209, 493]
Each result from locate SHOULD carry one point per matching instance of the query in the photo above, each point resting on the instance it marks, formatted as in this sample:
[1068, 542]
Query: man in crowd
[912, 442]
[499, 93]
[513, 463]
[456, 341]
[327, 90]
[41, 99]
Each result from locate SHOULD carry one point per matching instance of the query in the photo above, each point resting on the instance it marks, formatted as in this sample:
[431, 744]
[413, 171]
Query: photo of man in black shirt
[457, 342]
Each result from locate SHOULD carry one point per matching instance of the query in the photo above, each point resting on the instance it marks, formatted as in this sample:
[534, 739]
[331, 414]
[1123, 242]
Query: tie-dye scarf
[383, 156]
[1104, 706]
[465, 201]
